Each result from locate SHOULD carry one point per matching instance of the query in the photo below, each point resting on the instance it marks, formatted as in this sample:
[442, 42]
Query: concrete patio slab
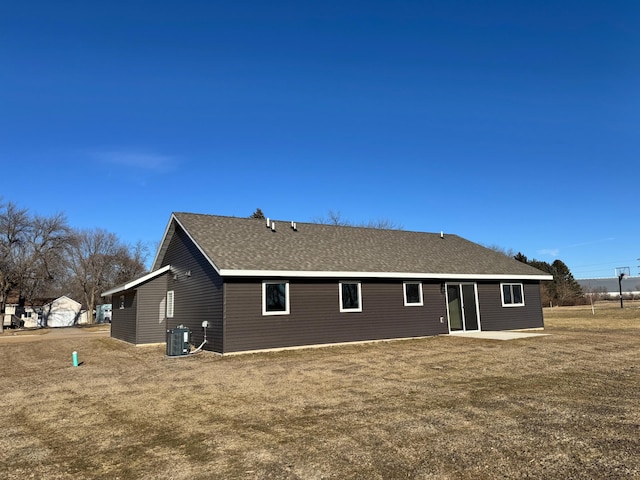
[499, 335]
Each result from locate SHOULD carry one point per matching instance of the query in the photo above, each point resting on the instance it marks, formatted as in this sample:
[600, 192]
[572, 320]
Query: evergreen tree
[567, 291]
[521, 257]
[258, 214]
[563, 289]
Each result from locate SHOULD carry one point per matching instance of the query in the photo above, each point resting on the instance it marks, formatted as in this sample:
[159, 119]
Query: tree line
[563, 289]
[42, 258]
[335, 218]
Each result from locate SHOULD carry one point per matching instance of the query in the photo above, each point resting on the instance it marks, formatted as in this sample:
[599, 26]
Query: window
[121, 301]
[512, 295]
[275, 298]
[170, 303]
[350, 297]
[412, 294]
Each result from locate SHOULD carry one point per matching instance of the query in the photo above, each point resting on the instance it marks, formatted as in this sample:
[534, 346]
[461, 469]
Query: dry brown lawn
[559, 406]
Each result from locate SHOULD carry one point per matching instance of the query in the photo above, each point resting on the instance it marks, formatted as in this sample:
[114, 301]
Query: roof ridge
[330, 225]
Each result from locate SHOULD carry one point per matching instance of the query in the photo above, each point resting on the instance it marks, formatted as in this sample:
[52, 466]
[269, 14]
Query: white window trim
[502, 294]
[170, 303]
[420, 303]
[359, 309]
[264, 297]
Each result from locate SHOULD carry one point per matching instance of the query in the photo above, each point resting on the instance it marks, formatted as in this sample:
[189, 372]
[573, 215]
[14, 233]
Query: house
[103, 313]
[269, 285]
[61, 312]
[16, 316]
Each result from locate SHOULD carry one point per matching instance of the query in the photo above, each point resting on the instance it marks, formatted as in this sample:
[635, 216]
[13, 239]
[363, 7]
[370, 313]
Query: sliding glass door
[462, 307]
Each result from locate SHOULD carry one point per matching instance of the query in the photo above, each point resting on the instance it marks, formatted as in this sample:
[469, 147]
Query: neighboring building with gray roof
[273, 284]
[610, 286]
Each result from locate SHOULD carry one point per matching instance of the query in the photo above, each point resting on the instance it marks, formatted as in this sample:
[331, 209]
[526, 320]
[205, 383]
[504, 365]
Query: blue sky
[510, 123]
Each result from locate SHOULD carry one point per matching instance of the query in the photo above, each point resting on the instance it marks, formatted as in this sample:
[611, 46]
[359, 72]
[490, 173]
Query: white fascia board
[136, 282]
[164, 238]
[325, 274]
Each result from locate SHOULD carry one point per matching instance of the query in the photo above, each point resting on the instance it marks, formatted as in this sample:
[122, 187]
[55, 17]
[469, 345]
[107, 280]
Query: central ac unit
[178, 341]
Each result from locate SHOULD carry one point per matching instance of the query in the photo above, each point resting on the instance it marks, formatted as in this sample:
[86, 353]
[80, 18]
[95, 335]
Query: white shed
[62, 312]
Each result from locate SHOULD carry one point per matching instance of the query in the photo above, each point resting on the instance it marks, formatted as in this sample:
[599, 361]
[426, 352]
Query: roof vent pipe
[293, 225]
[273, 226]
[268, 222]
[441, 234]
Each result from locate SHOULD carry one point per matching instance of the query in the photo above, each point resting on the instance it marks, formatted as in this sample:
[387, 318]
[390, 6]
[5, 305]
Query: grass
[11, 332]
[559, 406]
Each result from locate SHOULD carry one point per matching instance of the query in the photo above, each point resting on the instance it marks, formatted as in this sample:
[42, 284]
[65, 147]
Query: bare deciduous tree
[382, 224]
[130, 263]
[31, 252]
[41, 256]
[509, 252]
[44, 255]
[332, 218]
[335, 218]
[99, 261]
[14, 225]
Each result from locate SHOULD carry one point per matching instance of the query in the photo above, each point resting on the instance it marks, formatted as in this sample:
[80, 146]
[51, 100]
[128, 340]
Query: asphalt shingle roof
[246, 244]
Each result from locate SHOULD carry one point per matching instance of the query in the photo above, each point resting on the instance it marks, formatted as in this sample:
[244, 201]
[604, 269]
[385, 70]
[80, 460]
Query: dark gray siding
[493, 316]
[123, 320]
[151, 324]
[198, 297]
[315, 316]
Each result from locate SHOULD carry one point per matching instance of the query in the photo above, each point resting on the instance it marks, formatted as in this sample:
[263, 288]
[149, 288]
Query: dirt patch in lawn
[558, 406]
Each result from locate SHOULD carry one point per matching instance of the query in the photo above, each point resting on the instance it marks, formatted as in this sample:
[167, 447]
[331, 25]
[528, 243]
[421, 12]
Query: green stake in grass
[74, 357]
